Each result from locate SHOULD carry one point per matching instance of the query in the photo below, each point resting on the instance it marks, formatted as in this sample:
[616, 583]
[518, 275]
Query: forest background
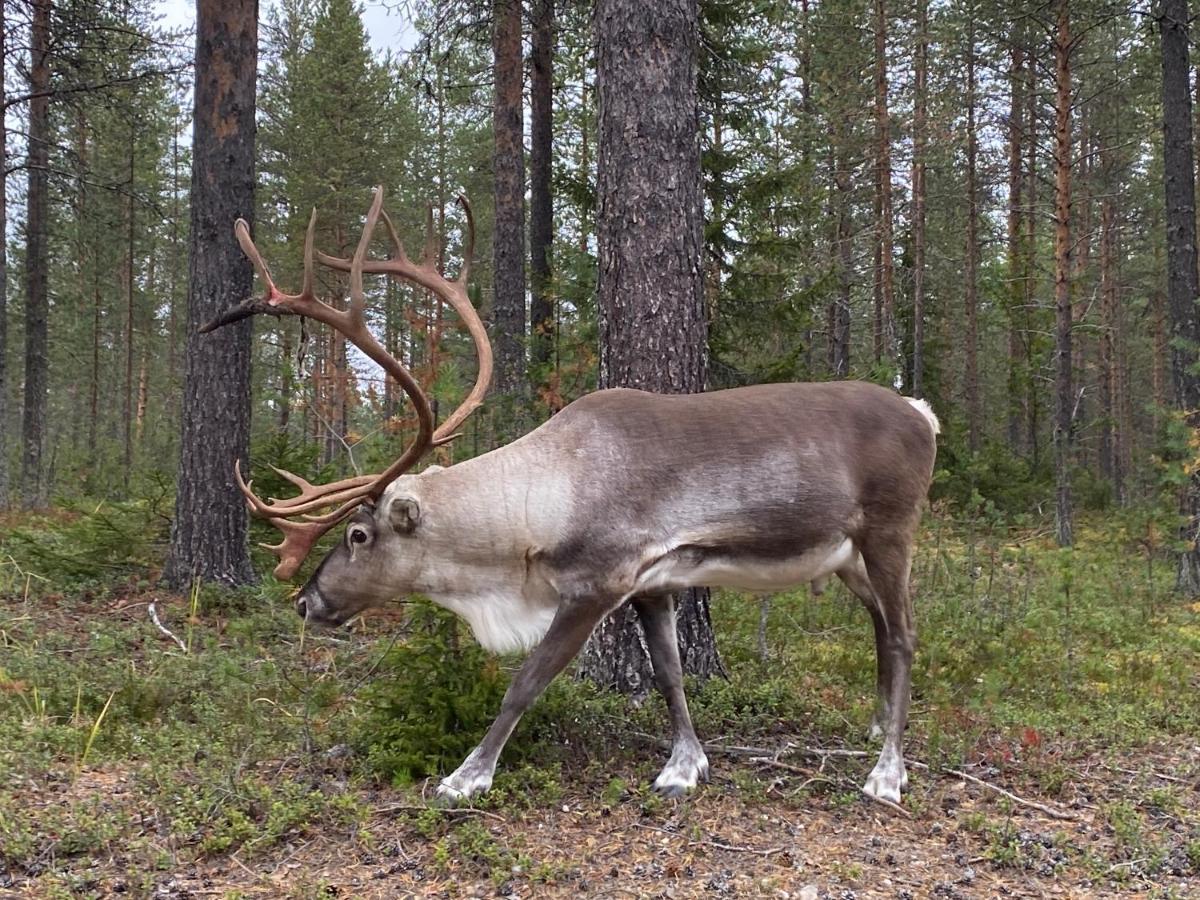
[971, 202]
[879, 193]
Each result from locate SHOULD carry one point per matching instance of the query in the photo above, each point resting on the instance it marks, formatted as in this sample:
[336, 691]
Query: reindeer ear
[404, 514]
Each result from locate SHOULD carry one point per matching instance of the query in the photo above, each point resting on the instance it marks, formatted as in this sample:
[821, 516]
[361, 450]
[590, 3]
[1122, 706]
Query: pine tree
[208, 535]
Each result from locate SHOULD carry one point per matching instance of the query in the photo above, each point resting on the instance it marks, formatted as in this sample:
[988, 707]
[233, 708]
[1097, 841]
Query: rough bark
[919, 138]
[508, 162]
[650, 239]
[971, 260]
[1183, 280]
[208, 537]
[37, 262]
[541, 209]
[1063, 382]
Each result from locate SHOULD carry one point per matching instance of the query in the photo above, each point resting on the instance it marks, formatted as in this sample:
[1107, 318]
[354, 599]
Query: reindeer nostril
[302, 608]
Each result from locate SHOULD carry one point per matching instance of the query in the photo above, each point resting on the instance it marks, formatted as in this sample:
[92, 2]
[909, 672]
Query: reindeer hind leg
[887, 567]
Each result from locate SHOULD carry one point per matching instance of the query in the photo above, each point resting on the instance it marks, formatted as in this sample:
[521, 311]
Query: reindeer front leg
[573, 624]
[688, 765]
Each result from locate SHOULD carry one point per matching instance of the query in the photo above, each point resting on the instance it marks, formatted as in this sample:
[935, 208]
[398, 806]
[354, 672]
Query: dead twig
[1163, 775]
[1020, 801]
[719, 846]
[888, 804]
[163, 628]
[245, 868]
[448, 810]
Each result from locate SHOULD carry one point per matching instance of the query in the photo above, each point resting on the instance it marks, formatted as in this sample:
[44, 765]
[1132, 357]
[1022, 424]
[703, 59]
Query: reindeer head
[353, 577]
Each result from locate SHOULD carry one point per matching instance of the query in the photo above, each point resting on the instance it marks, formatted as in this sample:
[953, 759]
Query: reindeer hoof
[687, 767]
[467, 781]
[886, 781]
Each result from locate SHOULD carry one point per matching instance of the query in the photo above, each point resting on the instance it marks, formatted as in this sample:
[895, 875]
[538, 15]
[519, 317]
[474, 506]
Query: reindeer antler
[347, 494]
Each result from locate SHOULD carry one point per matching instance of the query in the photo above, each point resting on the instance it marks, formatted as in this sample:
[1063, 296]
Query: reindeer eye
[358, 536]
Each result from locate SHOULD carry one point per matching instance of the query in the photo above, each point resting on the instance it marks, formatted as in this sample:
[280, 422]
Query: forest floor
[1054, 745]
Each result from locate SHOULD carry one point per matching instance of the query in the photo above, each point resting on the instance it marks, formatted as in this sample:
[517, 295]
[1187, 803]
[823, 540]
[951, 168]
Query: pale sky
[388, 30]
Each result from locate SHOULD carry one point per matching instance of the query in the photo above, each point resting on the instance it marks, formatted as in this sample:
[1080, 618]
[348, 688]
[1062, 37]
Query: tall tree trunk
[208, 537]
[508, 241]
[585, 163]
[1033, 396]
[1158, 354]
[127, 460]
[651, 282]
[885, 313]
[93, 448]
[1183, 280]
[541, 208]
[1111, 437]
[1063, 383]
[839, 307]
[1015, 258]
[971, 267]
[919, 138]
[4, 479]
[37, 261]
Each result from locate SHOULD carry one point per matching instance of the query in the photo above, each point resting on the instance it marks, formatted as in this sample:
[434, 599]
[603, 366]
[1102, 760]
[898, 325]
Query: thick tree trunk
[651, 283]
[1016, 277]
[208, 538]
[37, 261]
[508, 240]
[971, 260]
[919, 137]
[1183, 280]
[541, 208]
[1063, 382]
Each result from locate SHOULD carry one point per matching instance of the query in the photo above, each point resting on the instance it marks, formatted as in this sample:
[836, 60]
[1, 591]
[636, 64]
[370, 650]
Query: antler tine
[469, 250]
[430, 252]
[454, 292]
[306, 287]
[399, 253]
[297, 543]
[275, 302]
[357, 298]
[344, 495]
[241, 231]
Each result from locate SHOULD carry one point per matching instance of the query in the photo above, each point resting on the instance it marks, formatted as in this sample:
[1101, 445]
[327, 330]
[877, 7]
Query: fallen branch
[768, 757]
[163, 628]
[719, 846]
[1032, 804]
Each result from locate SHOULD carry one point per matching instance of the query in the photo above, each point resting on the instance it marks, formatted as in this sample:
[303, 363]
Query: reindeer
[622, 497]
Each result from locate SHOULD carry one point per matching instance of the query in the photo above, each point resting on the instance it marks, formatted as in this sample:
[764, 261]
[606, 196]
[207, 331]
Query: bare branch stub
[346, 495]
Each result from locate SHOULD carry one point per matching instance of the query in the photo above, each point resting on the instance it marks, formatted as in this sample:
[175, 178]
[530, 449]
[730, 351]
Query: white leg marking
[888, 778]
[687, 767]
[473, 777]
[879, 719]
